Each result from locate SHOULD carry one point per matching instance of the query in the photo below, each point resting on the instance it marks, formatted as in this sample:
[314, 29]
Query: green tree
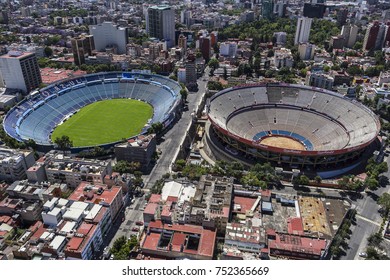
[384, 201]
[63, 143]
[180, 164]
[213, 63]
[318, 179]
[48, 51]
[184, 94]
[156, 128]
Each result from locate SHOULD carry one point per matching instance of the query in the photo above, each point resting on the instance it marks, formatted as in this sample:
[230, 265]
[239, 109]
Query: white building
[283, 58]
[228, 49]
[160, 23]
[109, 34]
[20, 71]
[181, 75]
[303, 30]
[349, 33]
[281, 38]
[13, 164]
[306, 51]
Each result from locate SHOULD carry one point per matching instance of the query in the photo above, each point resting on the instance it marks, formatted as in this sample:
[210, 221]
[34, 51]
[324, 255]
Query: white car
[363, 254]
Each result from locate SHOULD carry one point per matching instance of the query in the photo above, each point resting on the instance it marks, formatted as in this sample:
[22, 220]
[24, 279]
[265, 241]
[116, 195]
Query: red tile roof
[298, 244]
[74, 243]
[150, 208]
[206, 242]
[295, 226]
[155, 198]
[108, 195]
[245, 202]
[151, 241]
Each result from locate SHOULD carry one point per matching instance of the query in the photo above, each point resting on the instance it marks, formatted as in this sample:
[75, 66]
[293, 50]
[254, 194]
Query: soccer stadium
[291, 125]
[95, 110]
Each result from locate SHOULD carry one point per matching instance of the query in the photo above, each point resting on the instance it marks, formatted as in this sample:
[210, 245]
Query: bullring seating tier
[327, 120]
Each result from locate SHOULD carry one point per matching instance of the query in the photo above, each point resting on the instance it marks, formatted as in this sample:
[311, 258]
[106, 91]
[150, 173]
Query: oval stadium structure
[291, 125]
[42, 111]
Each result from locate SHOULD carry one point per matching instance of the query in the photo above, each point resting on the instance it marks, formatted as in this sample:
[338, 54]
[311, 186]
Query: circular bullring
[291, 124]
[95, 110]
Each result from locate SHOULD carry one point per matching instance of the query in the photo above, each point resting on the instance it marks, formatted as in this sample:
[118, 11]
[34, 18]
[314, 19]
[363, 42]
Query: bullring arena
[291, 125]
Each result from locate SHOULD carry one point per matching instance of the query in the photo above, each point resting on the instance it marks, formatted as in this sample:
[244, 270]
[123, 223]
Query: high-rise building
[214, 38]
[160, 23]
[82, 46]
[306, 51]
[108, 34]
[190, 67]
[370, 38]
[185, 17]
[20, 71]
[280, 8]
[182, 43]
[205, 47]
[342, 15]
[313, 10]
[380, 39]
[303, 30]
[267, 9]
[280, 38]
[349, 33]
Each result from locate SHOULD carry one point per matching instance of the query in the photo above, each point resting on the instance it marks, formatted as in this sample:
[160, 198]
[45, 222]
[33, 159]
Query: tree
[384, 201]
[372, 183]
[213, 63]
[225, 75]
[123, 166]
[122, 247]
[180, 164]
[318, 179]
[63, 143]
[184, 94]
[48, 51]
[156, 128]
[375, 239]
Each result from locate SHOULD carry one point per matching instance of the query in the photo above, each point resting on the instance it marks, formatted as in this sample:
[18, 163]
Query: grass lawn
[105, 121]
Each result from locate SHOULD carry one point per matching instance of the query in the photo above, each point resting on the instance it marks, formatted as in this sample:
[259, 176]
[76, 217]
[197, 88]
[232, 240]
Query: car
[139, 223]
[135, 229]
[363, 254]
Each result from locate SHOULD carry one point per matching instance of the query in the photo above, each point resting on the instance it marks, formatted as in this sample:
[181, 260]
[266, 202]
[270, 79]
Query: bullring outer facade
[291, 125]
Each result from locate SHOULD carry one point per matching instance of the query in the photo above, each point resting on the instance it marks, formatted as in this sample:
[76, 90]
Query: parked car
[139, 223]
[135, 229]
[363, 254]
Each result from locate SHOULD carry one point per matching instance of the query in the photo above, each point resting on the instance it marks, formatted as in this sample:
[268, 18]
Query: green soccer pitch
[105, 122]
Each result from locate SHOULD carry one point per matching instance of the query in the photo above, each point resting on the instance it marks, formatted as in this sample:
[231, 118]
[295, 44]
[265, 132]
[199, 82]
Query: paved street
[368, 221]
[169, 146]
[174, 137]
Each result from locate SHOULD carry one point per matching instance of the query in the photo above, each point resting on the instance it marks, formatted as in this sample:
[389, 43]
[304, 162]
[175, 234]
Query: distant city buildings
[109, 35]
[20, 71]
[349, 33]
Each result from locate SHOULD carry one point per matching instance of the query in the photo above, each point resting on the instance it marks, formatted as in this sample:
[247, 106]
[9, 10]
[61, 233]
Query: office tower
[182, 43]
[267, 9]
[160, 23]
[20, 71]
[371, 36]
[313, 10]
[82, 46]
[108, 34]
[303, 30]
[349, 33]
[205, 47]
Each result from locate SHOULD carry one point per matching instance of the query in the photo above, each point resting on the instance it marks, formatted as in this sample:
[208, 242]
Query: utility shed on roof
[266, 207]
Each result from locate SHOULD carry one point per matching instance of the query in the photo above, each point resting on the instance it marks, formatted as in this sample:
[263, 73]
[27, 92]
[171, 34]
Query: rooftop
[96, 194]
